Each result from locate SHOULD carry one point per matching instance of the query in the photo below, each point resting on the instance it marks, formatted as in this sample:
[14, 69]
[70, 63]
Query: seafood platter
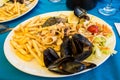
[60, 44]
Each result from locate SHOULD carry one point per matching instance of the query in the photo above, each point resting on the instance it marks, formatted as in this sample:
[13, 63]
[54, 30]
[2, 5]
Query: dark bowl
[85, 4]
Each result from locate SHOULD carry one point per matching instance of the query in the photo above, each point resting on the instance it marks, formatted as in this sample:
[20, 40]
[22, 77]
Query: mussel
[50, 56]
[81, 13]
[68, 65]
[67, 48]
[83, 47]
[74, 50]
[78, 46]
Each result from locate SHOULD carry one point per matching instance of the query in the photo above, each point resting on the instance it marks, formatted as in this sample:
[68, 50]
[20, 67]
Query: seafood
[68, 65]
[78, 46]
[73, 51]
[81, 13]
[49, 56]
[67, 48]
[83, 46]
[53, 20]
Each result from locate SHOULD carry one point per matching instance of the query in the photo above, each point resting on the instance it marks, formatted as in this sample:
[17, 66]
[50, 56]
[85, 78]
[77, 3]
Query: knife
[4, 28]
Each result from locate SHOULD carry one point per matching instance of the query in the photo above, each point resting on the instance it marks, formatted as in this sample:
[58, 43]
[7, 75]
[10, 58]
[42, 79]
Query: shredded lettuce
[97, 51]
[100, 46]
[99, 40]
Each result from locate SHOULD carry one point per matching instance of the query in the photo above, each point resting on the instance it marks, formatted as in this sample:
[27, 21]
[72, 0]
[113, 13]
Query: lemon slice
[72, 18]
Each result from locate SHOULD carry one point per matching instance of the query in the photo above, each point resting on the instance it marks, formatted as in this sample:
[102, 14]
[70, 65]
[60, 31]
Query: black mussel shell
[82, 56]
[68, 65]
[57, 66]
[79, 12]
[50, 56]
[83, 47]
[81, 39]
[78, 47]
[67, 47]
[89, 65]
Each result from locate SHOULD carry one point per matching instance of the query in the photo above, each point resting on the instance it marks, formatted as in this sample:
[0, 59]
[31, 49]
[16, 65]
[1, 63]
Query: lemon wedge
[73, 19]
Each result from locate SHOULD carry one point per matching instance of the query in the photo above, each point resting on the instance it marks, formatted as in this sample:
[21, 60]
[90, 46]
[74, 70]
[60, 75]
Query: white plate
[30, 6]
[33, 67]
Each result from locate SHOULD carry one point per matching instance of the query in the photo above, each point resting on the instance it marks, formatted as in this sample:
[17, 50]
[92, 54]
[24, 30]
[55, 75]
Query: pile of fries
[26, 43]
[11, 10]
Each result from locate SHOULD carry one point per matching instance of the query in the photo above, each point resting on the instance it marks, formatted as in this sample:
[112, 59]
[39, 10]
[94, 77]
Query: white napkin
[117, 25]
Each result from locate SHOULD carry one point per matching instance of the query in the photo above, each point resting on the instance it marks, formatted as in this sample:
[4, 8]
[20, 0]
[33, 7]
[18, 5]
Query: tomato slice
[93, 29]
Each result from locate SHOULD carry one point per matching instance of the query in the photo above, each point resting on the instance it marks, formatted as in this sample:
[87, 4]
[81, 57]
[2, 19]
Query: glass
[54, 1]
[108, 10]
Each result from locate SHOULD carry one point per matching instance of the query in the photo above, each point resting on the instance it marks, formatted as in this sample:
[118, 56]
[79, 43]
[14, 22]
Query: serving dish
[33, 67]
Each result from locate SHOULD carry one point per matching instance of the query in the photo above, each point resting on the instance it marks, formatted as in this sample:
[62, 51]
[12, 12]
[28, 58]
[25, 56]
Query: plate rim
[36, 2]
[11, 33]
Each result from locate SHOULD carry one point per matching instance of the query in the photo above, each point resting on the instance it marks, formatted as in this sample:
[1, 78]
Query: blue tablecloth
[109, 70]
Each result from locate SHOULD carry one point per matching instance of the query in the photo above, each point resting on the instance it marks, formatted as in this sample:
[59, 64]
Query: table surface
[109, 70]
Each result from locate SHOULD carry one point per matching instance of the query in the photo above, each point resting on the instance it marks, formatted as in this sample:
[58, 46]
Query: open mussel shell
[60, 65]
[68, 65]
[83, 47]
[81, 13]
[67, 48]
[50, 56]
[77, 46]
[89, 65]
[78, 38]
[74, 50]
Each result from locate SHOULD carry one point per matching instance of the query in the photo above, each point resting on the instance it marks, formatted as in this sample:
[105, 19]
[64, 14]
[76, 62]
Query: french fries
[25, 45]
[12, 10]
